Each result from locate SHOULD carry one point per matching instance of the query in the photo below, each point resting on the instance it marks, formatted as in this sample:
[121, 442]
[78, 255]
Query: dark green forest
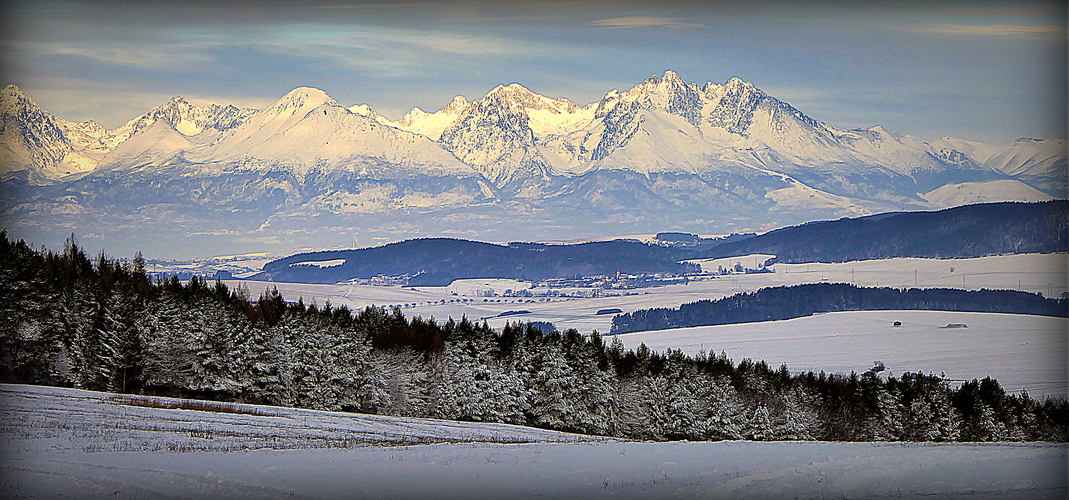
[959, 232]
[68, 319]
[439, 261]
[788, 302]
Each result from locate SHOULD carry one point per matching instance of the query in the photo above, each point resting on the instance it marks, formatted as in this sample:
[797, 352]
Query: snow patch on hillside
[953, 195]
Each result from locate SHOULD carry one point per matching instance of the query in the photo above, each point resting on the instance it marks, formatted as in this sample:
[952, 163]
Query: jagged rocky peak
[456, 105]
[516, 95]
[20, 111]
[31, 138]
[669, 93]
[11, 91]
[737, 100]
[413, 116]
[187, 118]
[668, 83]
[14, 98]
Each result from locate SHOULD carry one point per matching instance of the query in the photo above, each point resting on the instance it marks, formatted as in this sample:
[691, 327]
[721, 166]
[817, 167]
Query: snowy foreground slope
[64, 443]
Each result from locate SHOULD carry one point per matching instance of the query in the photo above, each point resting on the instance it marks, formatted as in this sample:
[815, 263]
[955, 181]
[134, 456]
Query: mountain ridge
[665, 154]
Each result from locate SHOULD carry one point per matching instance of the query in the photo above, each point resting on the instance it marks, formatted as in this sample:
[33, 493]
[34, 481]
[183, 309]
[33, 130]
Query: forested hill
[438, 261]
[787, 302]
[968, 231]
[961, 232]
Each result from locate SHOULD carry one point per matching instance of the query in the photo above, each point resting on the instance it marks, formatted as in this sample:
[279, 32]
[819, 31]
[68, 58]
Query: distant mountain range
[961, 232]
[310, 172]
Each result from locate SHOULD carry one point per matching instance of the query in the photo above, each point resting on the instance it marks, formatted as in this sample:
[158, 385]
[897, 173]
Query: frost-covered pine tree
[122, 335]
[760, 427]
[887, 423]
[595, 402]
[631, 417]
[265, 366]
[168, 345]
[725, 414]
[406, 378]
[555, 390]
[932, 417]
[799, 421]
[216, 340]
[479, 388]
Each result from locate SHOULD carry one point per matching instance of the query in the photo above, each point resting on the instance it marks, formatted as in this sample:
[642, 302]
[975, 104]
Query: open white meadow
[1020, 351]
[65, 443]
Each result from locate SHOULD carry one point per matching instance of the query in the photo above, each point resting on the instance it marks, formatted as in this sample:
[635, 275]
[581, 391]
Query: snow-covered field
[63, 443]
[1020, 351]
[1044, 273]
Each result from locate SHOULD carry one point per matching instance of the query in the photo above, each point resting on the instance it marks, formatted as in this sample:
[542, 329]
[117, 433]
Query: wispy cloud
[997, 30]
[1013, 10]
[643, 22]
[112, 103]
[154, 56]
[386, 5]
[391, 51]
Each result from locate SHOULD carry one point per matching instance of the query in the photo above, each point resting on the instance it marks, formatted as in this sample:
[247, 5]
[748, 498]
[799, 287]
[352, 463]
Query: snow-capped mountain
[40, 146]
[664, 154]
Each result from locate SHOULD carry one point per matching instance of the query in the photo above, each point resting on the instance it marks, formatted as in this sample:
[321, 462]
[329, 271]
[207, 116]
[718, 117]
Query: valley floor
[64, 443]
[1045, 273]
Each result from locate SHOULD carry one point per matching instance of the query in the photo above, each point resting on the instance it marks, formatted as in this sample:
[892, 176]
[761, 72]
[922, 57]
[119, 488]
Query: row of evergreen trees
[102, 324]
[795, 301]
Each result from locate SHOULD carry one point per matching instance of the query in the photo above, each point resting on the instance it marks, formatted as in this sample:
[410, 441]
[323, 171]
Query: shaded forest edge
[789, 302]
[102, 324]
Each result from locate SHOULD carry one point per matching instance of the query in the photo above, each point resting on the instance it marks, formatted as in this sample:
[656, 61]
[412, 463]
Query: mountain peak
[737, 83]
[455, 105]
[671, 76]
[12, 95]
[304, 97]
[363, 110]
[511, 90]
[516, 95]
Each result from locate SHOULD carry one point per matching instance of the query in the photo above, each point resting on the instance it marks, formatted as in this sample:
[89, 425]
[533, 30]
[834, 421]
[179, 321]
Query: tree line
[796, 301]
[102, 324]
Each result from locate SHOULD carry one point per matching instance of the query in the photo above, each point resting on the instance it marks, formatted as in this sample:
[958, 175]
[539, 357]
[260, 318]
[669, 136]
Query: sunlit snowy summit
[666, 153]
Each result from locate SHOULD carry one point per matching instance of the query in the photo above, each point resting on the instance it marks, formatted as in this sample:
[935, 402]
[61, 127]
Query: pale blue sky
[991, 71]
